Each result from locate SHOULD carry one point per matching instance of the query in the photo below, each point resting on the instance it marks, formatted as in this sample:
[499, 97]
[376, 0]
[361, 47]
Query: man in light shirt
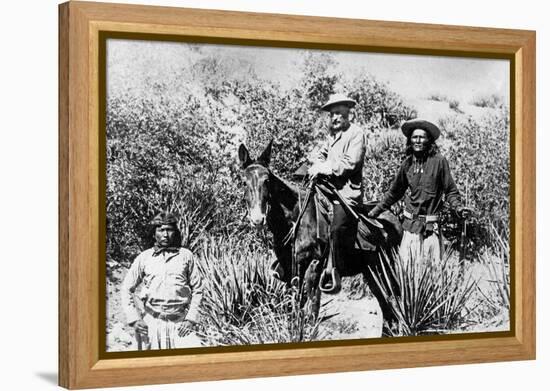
[341, 160]
[171, 290]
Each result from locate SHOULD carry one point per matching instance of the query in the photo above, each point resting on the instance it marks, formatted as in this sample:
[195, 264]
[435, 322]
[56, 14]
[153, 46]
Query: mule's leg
[298, 281]
[374, 263]
[311, 293]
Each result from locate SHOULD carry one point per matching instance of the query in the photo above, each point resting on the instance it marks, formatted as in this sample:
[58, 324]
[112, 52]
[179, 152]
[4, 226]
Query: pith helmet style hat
[335, 99]
[410, 126]
[163, 219]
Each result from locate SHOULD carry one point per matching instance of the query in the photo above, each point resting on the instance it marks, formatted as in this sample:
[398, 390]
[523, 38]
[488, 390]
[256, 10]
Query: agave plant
[425, 297]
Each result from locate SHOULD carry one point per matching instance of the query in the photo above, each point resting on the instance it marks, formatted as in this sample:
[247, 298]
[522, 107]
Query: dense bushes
[377, 105]
[174, 148]
[166, 147]
[479, 156]
[159, 158]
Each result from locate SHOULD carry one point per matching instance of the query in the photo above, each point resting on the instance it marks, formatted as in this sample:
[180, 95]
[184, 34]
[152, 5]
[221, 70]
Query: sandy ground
[358, 313]
[357, 316]
[355, 313]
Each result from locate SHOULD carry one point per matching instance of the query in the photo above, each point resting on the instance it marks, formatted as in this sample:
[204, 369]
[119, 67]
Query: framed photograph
[246, 195]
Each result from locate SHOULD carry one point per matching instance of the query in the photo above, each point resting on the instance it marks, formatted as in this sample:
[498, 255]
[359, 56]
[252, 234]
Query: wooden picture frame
[81, 362]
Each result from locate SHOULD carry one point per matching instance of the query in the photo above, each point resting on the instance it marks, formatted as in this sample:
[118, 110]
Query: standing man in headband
[171, 290]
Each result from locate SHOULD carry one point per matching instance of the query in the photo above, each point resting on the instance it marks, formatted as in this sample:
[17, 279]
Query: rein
[291, 235]
[302, 205]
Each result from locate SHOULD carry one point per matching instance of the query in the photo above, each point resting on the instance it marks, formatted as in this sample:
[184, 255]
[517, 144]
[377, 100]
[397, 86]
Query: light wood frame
[80, 361]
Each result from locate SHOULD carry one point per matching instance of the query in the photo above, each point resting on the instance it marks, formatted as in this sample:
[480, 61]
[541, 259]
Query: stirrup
[295, 282]
[330, 281]
[277, 270]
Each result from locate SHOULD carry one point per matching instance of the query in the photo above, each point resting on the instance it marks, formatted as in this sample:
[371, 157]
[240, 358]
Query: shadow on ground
[49, 377]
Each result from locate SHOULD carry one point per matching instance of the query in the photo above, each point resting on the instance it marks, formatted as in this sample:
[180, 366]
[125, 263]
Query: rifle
[462, 254]
[143, 342]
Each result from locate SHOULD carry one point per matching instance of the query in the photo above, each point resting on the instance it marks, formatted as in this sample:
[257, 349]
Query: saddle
[371, 234]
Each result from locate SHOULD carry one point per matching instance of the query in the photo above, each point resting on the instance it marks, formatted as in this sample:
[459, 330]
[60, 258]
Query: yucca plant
[426, 298]
[242, 303]
[281, 323]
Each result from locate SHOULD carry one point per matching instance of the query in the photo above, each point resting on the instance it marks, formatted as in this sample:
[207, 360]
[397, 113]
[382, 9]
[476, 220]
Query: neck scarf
[157, 250]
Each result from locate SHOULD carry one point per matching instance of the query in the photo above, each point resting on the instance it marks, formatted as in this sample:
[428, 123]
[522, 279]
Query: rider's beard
[342, 125]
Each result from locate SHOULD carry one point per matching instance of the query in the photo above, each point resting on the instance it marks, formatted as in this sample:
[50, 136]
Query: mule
[300, 249]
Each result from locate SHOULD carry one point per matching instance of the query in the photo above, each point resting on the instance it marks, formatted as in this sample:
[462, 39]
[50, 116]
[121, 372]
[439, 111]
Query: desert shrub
[266, 113]
[454, 105]
[290, 117]
[317, 81]
[480, 163]
[382, 161]
[159, 158]
[437, 97]
[377, 103]
[146, 149]
[493, 101]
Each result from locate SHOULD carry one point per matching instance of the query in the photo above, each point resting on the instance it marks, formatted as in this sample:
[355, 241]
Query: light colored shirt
[171, 284]
[345, 152]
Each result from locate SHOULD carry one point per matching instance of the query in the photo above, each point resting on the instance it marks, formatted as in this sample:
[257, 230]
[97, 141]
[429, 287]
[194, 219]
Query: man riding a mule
[340, 161]
[298, 220]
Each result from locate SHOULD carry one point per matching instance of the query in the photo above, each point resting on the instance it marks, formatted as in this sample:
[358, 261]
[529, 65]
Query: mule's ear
[265, 157]
[244, 156]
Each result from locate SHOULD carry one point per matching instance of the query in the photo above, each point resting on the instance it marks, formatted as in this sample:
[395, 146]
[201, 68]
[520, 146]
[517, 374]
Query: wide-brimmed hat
[338, 99]
[410, 126]
[164, 218]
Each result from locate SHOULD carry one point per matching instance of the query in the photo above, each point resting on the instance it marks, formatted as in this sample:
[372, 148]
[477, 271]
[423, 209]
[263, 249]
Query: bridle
[290, 237]
[268, 197]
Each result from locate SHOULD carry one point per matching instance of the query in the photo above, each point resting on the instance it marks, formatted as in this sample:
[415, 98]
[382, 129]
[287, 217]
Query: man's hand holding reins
[323, 168]
[376, 211]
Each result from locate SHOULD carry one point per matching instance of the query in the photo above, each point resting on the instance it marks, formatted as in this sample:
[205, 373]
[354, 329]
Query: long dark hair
[150, 239]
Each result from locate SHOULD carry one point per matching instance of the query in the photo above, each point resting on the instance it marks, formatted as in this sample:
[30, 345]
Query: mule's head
[257, 189]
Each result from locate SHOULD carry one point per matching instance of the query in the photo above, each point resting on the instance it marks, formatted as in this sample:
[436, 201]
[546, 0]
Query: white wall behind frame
[28, 161]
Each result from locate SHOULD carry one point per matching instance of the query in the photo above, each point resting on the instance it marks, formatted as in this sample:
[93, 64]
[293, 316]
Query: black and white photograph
[267, 195]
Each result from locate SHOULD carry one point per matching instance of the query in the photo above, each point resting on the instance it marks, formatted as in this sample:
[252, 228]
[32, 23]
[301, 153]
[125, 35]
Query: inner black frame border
[104, 35]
